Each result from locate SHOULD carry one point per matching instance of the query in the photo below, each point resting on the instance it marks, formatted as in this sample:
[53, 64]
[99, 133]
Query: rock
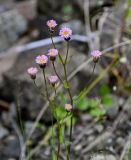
[112, 110]
[3, 132]
[10, 148]
[102, 157]
[27, 9]
[111, 27]
[120, 141]
[12, 25]
[95, 4]
[37, 134]
[127, 106]
[99, 128]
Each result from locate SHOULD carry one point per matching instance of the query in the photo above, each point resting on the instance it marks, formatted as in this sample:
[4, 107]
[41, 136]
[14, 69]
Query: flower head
[51, 24]
[96, 54]
[65, 33]
[53, 80]
[68, 107]
[42, 60]
[32, 71]
[52, 53]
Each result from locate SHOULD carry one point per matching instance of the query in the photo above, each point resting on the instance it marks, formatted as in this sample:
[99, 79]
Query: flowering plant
[54, 80]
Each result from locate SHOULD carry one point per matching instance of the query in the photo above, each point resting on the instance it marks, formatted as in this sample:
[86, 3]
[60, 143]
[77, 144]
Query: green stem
[71, 99]
[50, 107]
[67, 52]
[38, 90]
[60, 57]
[58, 124]
[52, 41]
[86, 90]
[68, 89]
[46, 89]
[92, 72]
[56, 71]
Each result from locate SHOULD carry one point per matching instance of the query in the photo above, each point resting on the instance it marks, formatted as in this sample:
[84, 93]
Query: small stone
[78, 147]
[99, 128]
[3, 132]
[102, 157]
[120, 141]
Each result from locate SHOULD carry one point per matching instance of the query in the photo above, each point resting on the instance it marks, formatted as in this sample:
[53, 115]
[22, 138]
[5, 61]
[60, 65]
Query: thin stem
[71, 100]
[52, 41]
[46, 89]
[67, 52]
[60, 57]
[50, 107]
[68, 89]
[20, 118]
[94, 66]
[56, 71]
[58, 124]
[58, 149]
[38, 90]
[71, 123]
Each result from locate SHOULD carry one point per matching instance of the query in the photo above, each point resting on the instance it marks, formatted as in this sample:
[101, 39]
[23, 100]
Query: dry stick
[42, 111]
[126, 148]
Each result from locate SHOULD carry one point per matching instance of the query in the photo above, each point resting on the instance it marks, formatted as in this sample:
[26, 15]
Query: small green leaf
[104, 90]
[67, 9]
[107, 100]
[83, 104]
[65, 84]
[63, 99]
[61, 60]
[94, 103]
[97, 112]
[60, 113]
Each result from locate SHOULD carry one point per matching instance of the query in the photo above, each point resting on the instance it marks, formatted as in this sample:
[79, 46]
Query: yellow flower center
[51, 24]
[52, 79]
[42, 60]
[65, 33]
[68, 107]
[53, 53]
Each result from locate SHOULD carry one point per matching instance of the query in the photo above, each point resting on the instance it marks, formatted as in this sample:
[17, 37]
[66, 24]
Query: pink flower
[96, 54]
[53, 80]
[42, 60]
[65, 33]
[52, 53]
[68, 107]
[51, 24]
[32, 71]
